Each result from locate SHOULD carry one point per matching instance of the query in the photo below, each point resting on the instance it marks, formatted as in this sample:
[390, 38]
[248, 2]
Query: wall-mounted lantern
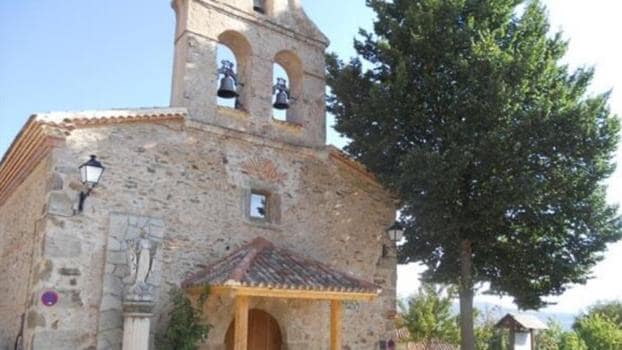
[90, 174]
[396, 232]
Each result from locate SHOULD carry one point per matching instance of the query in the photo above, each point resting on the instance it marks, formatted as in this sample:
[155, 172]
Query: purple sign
[49, 298]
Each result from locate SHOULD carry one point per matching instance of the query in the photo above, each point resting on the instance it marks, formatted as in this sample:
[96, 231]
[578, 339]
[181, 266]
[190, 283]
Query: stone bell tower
[260, 33]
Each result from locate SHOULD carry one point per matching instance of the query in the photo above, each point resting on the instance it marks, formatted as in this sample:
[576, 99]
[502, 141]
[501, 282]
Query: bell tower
[261, 35]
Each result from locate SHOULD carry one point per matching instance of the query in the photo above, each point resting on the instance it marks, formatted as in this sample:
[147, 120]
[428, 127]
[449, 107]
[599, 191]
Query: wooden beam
[336, 316]
[241, 323]
[286, 293]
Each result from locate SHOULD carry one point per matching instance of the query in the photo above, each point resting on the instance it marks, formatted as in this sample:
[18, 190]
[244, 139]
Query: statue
[140, 261]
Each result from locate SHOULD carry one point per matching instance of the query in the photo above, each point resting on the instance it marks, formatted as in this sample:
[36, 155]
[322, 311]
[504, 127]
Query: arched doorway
[264, 332]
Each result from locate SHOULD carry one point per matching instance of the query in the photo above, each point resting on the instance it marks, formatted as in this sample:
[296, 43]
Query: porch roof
[260, 268]
[521, 321]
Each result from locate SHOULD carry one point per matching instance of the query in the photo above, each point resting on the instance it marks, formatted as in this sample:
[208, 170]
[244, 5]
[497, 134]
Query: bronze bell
[259, 6]
[229, 82]
[282, 100]
[282, 94]
[227, 88]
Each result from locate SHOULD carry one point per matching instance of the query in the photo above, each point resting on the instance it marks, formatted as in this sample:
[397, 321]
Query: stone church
[290, 234]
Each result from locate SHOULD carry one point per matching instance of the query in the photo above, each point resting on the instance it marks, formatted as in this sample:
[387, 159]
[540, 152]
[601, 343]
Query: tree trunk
[466, 296]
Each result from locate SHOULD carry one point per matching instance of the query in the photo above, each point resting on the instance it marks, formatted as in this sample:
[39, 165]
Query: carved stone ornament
[263, 169]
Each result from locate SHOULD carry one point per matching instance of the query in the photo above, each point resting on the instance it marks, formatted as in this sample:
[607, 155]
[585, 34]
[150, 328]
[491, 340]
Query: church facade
[290, 234]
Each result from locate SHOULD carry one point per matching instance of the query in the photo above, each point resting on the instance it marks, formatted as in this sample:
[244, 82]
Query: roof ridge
[201, 273]
[255, 247]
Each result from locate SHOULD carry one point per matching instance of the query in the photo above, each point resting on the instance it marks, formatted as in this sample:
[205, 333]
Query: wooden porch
[281, 275]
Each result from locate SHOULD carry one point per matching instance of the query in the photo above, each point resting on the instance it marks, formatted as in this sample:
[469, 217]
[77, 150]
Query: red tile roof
[81, 119]
[261, 264]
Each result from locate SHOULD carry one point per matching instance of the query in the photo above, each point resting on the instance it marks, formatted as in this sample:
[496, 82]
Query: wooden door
[264, 332]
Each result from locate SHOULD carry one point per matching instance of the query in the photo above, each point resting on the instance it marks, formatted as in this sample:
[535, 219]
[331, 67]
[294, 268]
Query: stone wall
[21, 230]
[194, 179]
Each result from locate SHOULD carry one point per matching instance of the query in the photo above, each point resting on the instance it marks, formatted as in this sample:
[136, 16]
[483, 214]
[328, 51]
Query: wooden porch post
[241, 323]
[336, 315]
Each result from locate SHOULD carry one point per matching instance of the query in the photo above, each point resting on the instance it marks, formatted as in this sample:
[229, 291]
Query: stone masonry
[182, 177]
[21, 231]
[123, 229]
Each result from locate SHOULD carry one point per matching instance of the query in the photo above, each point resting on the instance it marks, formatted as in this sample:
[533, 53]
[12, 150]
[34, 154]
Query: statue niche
[140, 254]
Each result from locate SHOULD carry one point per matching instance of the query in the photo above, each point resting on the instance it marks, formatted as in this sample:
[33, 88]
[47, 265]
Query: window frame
[267, 205]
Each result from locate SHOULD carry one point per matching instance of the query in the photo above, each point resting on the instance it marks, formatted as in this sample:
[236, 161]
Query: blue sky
[87, 54]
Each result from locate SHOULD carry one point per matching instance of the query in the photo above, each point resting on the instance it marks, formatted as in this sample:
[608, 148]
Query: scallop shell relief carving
[263, 169]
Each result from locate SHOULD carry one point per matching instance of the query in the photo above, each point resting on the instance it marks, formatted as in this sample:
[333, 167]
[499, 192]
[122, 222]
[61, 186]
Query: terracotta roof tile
[261, 264]
[75, 119]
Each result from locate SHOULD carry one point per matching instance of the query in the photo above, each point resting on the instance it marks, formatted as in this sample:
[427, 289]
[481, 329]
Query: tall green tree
[464, 109]
[428, 316]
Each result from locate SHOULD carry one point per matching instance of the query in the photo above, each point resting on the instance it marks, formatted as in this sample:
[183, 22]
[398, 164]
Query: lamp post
[90, 174]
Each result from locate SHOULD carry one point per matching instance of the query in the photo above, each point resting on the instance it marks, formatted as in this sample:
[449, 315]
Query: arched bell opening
[233, 55]
[288, 87]
[264, 332]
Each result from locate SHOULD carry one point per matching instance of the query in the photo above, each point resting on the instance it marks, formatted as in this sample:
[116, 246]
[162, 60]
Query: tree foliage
[186, 326]
[428, 316]
[571, 341]
[464, 109]
[487, 335]
[601, 326]
[555, 338]
[612, 310]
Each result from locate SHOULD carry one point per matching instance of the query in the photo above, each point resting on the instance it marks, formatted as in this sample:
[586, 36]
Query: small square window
[259, 206]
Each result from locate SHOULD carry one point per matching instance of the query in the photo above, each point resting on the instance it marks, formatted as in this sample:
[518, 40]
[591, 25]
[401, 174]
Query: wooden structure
[264, 332]
[260, 270]
[523, 330]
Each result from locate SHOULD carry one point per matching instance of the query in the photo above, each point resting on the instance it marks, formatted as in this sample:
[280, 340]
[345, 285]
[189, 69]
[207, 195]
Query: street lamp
[90, 174]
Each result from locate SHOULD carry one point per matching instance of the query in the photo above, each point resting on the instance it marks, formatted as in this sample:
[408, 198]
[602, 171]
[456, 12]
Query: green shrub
[186, 326]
